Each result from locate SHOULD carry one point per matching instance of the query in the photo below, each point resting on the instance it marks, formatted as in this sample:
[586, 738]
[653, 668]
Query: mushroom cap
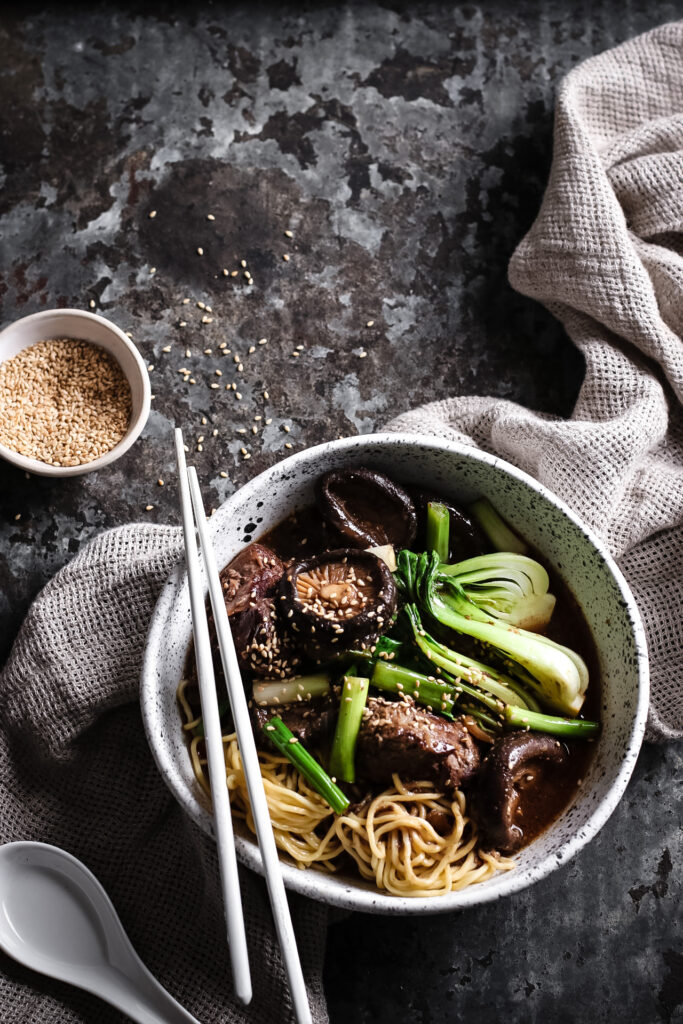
[337, 599]
[368, 508]
[504, 765]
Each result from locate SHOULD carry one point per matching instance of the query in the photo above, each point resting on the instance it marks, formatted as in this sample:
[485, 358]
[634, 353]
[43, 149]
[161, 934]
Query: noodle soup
[444, 685]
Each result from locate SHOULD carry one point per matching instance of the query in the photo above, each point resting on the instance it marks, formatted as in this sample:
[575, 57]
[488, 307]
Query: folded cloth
[605, 255]
[76, 771]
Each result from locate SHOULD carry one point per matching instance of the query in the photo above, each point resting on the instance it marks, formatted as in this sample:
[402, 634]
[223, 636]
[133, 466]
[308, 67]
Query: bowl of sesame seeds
[74, 393]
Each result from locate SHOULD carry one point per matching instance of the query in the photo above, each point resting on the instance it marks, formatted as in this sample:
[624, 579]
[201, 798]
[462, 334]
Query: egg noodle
[389, 836]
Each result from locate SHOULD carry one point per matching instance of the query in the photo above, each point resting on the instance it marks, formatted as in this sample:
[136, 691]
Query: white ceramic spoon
[56, 918]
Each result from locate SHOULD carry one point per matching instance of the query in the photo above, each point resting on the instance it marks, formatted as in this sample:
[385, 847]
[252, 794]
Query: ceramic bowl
[566, 544]
[84, 326]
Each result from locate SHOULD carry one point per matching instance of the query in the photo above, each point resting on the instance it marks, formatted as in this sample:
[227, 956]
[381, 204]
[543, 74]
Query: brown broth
[541, 801]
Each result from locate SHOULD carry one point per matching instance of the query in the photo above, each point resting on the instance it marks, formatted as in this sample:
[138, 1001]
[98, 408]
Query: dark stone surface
[406, 147]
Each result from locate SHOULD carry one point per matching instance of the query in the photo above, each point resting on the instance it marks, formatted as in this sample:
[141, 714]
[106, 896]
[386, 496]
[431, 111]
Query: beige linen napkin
[605, 255]
[76, 771]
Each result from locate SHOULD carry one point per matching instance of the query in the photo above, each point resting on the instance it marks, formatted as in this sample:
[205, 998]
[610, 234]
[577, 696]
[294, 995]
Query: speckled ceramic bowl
[567, 545]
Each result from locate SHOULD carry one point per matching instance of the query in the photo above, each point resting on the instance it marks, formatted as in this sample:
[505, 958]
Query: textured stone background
[406, 148]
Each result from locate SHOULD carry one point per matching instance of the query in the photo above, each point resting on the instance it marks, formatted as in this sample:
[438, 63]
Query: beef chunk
[401, 737]
[252, 574]
[311, 721]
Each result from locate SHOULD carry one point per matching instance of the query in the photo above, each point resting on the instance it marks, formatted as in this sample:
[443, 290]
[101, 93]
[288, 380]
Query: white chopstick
[225, 840]
[252, 768]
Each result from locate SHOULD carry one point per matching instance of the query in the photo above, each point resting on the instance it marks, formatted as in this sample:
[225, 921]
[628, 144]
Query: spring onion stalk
[507, 586]
[285, 691]
[288, 745]
[353, 697]
[438, 529]
[560, 674]
[426, 691]
[459, 665]
[496, 529]
[569, 727]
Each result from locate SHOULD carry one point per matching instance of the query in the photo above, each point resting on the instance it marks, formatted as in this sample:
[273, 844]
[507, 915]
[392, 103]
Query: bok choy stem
[438, 529]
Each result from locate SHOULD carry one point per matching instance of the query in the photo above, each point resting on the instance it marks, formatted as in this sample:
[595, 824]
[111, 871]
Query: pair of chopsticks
[191, 502]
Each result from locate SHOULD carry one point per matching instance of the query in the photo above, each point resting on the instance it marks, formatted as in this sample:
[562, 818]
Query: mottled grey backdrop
[406, 148]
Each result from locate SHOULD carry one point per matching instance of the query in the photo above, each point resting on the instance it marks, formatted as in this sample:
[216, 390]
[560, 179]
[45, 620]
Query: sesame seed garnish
[285, 257]
[266, 395]
[207, 351]
[166, 348]
[200, 251]
[243, 263]
[252, 348]
[207, 319]
[238, 396]
[219, 373]
[214, 432]
[247, 456]
[223, 474]
[362, 354]
[152, 214]
[214, 386]
[148, 508]
[150, 367]
[254, 430]
[17, 517]
[188, 353]
[201, 305]
[210, 216]
[247, 275]
[293, 739]
[288, 444]
[370, 323]
[267, 421]
[160, 482]
[182, 323]
[263, 341]
[225, 272]
[289, 234]
[234, 273]
[286, 428]
[152, 270]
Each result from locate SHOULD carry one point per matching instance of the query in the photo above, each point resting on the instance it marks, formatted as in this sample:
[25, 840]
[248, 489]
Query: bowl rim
[308, 882]
[136, 425]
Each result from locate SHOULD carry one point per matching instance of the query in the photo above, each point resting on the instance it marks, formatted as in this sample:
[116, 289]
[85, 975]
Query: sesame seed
[254, 430]
[214, 432]
[252, 348]
[218, 373]
[17, 517]
[234, 273]
[263, 341]
[166, 348]
[362, 355]
[370, 323]
[247, 275]
[243, 450]
[268, 421]
[238, 396]
[188, 353]
[223, 474]
[225, 271]
[92, 303]
[200, 251]
[288, 444]
[285, 257]
[148, 508]
[152, 214]
[207, 319]
[200, 438]
[207, 351]
[289, 234]
[286, 428]
[185, 302]
[243, 263]
[201, 305]
[214, 386]
[210, 216]
[247, 456]
[152, 270]
[182, 323]
[266, 395]
[150, 367]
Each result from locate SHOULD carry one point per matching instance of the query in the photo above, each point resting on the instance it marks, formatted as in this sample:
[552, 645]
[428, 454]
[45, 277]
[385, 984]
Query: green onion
[496, 529]
[396, 679]
[438, 529]
[285, 691]
[287, 743]
[353, 697]
[569, 727]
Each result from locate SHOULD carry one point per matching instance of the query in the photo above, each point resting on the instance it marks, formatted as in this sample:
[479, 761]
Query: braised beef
[311, 721]
[253, 573]
[400, 736]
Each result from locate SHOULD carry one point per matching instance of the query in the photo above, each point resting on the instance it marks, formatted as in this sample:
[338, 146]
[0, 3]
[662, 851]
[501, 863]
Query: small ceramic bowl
[83, 326]
[565, 543]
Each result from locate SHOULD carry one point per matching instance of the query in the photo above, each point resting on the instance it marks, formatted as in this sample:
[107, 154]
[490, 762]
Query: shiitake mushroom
[337, 599]
[502, 769]
[368, 508]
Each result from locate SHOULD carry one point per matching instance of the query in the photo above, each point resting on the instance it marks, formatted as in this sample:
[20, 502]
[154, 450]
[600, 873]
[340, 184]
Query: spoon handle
[142, 998]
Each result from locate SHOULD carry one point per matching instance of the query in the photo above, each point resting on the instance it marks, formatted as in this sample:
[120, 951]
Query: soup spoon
[56, 918]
